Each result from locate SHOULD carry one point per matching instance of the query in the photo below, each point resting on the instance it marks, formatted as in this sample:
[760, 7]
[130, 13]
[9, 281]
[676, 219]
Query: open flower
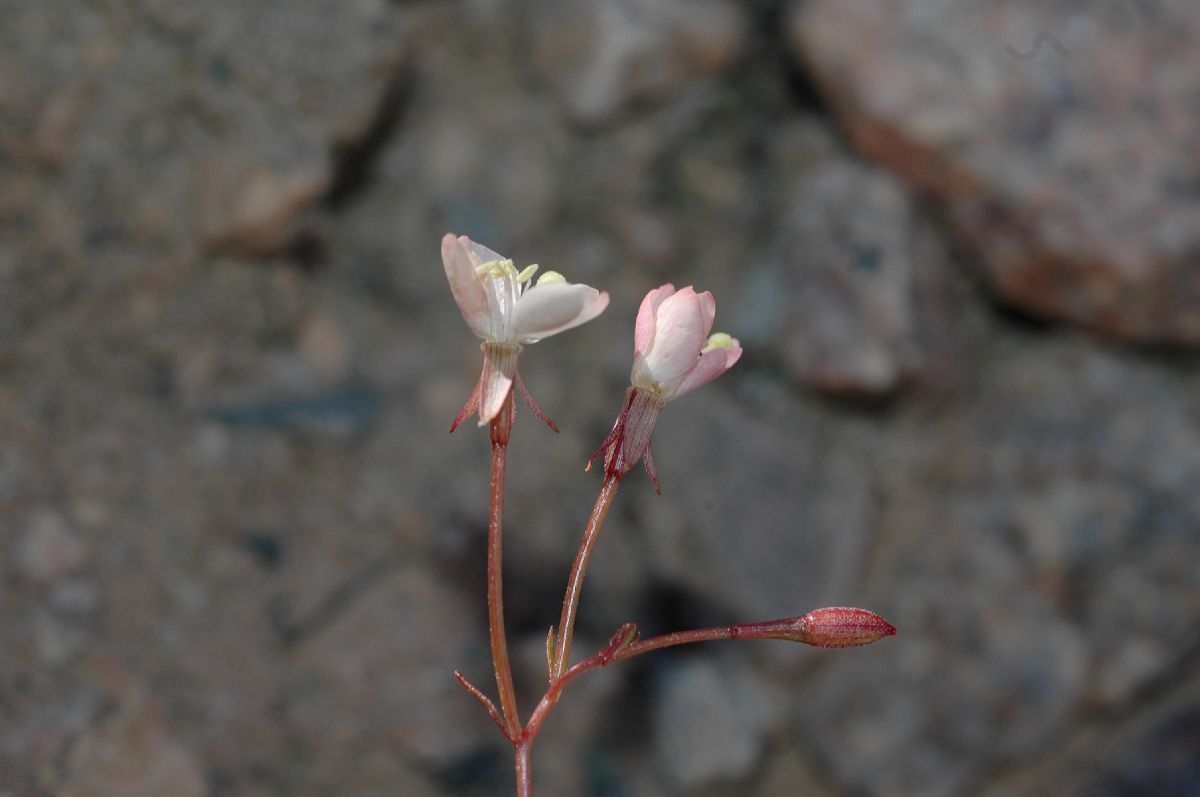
[673, 354]
[506, 309]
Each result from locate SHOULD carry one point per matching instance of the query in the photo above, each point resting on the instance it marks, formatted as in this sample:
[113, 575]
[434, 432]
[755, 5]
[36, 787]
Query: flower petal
[553, 307]
[499, 371]
[479, 252]
[711, 364]
[643, 331]
[465, 285]
[678, 336]
[709, 306]
[641, 374]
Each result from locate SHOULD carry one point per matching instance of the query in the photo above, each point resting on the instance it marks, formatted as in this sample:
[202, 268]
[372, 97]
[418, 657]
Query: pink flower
[673, 354]
[502, 307]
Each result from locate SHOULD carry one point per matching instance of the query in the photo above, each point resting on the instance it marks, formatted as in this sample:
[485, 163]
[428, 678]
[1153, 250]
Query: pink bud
[673, 351]
[841, 627]
[673, 354]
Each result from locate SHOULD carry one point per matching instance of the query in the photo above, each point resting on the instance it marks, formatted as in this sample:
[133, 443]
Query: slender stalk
[524, 771]
[501, 426]
[566, 622]
[744, 631]
[831, 627]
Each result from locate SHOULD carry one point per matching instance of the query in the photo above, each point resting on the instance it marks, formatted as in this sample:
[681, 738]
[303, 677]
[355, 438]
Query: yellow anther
[527, 273]
[549, 277]
[719, 340]
[496, 268]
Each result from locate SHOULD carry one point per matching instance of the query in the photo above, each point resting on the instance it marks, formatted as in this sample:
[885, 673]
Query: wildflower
[507, 310]
[673, 354]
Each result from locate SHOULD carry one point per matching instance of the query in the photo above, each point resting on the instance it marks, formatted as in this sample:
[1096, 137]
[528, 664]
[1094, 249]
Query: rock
[224, 125]
[325, 346]
[760, 517]
[56, 641]
[1040, 562]
[57, 128]
[1164, 761]
[342, 412]
[871, 303]
[384, 668]
[602, 57]
[710, 722]
[49, 548]
[788, 775]
[1070, 169]
[133, 752]
[75, 597]
[253, 211]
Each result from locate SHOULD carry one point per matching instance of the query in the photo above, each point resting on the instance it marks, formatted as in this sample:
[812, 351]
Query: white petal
[465, 285]
[499, 371]
[479, 251]
[550, 308]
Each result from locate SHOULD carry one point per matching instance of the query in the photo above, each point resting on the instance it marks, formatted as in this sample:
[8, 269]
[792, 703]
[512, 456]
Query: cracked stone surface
[241, 556]
[1069, 168]
[874, 305]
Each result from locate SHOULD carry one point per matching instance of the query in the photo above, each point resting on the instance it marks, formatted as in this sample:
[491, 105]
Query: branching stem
[570, 608]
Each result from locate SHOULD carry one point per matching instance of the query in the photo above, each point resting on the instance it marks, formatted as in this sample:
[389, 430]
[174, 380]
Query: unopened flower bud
[841, 627]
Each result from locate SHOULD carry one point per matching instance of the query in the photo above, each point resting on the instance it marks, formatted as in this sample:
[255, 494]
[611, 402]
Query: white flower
[506, 309]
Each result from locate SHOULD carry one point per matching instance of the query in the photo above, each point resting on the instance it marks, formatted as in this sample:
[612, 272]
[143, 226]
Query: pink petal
[465, 285]
[553, 307]
[709, 305]
[678, 336]
[711, 364]
[643, 330]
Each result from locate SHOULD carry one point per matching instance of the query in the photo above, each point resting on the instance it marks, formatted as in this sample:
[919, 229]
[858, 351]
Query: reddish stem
[624, 645]
[501, 426]
[570, 608]
[743, 631]
[524, 771]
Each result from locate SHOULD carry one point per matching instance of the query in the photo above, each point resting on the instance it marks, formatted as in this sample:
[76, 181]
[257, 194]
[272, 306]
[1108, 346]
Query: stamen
[718, 340]
[527, 273]
[496, 268]
[551, 277]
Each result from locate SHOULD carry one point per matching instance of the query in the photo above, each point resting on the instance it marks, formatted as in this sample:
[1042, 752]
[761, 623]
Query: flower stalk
[561, 652]
[501, 429]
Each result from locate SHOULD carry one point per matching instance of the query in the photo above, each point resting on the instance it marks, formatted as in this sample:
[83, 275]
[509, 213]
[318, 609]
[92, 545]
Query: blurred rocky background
[239, 554]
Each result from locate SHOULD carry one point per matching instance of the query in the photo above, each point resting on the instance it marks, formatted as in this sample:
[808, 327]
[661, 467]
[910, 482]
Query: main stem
[524, 770]
[566, 622]
[500, 428]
